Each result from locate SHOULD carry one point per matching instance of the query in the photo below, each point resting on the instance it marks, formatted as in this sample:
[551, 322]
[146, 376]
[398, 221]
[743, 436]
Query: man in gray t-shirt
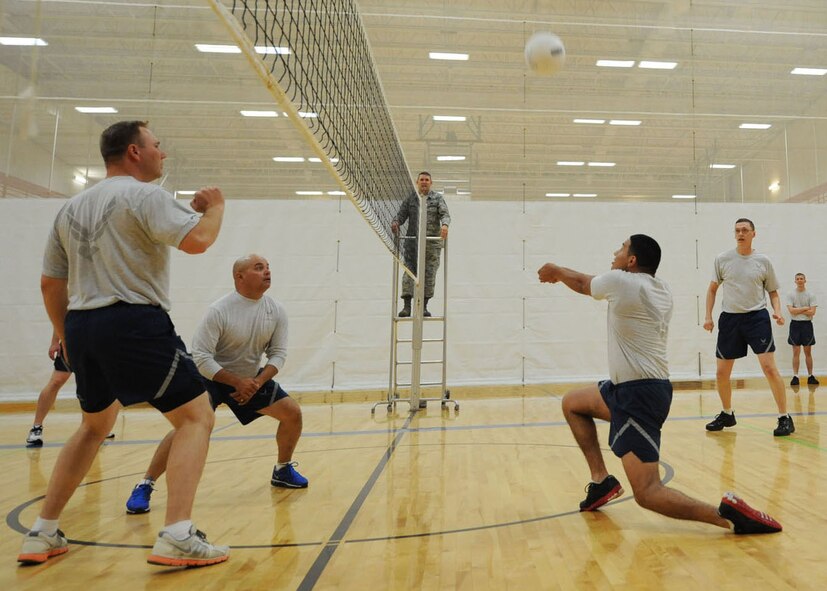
[637, 399]
[105, 284]
[747, 277]
[802, 306]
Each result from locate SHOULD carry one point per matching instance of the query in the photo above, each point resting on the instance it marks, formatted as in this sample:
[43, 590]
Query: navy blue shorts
[267, 395]
[639, 408]
[801, 333]
[60, 365]
[130, 353]
[736, 331]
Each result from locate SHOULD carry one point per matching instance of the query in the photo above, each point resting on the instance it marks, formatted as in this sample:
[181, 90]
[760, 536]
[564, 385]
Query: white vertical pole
[419, 303]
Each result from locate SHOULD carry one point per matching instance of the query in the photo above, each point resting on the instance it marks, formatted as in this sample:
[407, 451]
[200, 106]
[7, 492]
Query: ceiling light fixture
[259, 113]
[624, 122]
[288, 159]
[80, 179]
[774, 186]
[683, 196]
[270, 50]
[210, 48]
[651, 65]
[570, 163]
[809, 71]
[591, 121]
[453, 57]
[96, 109]
[449, 118]
[307, 114]
[615, 63]
[584, 195]
[449, 158]
[602, 164]
[25, 41]
[721, 166]
[755, 126]
[558, 194]
[336, 193]
[309, 192]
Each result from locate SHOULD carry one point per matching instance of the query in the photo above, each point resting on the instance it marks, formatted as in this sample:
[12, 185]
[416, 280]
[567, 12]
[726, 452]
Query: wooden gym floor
[481, 499]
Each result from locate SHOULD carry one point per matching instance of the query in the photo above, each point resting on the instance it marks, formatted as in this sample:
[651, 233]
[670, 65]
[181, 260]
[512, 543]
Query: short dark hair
[425, 172]
[116, 138]
[647, 251]
[802, 274]
[751, 225]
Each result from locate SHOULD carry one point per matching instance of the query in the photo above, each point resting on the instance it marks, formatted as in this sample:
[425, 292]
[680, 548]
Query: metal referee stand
[417, 321]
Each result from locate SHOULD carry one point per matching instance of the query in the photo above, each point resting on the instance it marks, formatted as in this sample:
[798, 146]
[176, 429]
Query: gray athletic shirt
[801, 299]
[112, 242]
[236, 331]
[640, 308]
[745, 279]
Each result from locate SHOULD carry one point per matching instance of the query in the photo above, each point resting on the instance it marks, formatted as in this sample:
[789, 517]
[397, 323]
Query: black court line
[312, 576]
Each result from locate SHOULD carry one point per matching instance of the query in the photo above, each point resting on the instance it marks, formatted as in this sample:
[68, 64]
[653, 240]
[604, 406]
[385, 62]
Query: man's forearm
[56, 300]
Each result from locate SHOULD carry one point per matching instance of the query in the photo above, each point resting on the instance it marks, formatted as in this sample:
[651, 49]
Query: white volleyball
[545, 53]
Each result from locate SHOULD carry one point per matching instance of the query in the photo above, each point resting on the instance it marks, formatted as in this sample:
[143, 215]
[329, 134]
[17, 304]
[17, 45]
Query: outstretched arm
[574, 280]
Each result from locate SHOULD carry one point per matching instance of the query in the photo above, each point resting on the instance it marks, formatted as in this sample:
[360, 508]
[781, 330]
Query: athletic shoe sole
[733, 507]
[41, 557]
[137, 511]
[192, 562]
[282, 484]
[612, 494]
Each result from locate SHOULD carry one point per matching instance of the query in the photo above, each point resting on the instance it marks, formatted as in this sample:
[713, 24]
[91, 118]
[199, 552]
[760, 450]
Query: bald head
[251, 274]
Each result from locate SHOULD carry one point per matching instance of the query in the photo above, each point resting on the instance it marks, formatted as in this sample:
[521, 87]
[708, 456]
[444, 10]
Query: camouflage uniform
[437, 217]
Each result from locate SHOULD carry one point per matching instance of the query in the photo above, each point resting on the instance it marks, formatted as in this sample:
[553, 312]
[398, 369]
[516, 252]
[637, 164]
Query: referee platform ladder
[418, 343]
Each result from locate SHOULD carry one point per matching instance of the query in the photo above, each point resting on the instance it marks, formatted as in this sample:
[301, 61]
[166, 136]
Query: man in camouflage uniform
[437, 225]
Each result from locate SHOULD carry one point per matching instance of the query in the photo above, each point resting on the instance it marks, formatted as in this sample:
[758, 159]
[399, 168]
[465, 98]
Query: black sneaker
[600, 493]
[812, 381]
[35, 437]
[785, 426]
[720, 421]
[794, 381]
[746, 519]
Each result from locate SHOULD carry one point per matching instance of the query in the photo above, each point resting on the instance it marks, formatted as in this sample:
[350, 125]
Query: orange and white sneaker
[38, 547]
[194, 550]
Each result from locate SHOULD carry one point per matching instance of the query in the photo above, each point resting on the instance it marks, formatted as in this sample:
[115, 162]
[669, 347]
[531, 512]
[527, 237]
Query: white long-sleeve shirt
[236, 332]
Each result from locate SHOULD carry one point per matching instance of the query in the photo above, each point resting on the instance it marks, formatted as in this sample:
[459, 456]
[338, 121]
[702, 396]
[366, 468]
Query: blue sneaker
[287, 477]
[139, 499]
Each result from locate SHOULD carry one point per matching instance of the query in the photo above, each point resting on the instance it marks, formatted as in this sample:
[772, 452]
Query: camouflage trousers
[432, 254]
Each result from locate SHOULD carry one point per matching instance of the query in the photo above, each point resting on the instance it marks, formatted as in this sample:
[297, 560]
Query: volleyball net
[315, 59]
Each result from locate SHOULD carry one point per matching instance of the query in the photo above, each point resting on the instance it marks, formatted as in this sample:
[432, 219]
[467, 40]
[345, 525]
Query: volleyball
[545, 53]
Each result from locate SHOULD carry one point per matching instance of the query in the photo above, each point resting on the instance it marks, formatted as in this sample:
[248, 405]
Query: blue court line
[405, 428]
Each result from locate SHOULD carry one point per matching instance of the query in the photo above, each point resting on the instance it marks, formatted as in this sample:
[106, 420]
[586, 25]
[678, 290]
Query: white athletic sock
[47, 526]
[146, 481]
[179, 530]
[783, 414]
[728, 411]
[279, 465]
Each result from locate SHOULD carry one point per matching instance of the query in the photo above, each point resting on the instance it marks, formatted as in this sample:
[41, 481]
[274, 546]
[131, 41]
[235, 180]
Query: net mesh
[318, 54]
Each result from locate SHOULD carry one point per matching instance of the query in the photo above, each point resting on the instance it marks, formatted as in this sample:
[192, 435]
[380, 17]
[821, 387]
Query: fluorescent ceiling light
[570, 163]
[456, 57]
[22, 41]
[591, 121]
[288, 159]
[336, 193]
[624, 122]
[650, 65]
[584, 195]
[96, 110]
[449, 158]
[309, 193]
[721, 166]
[270, 50]
[615, 63]
[755, 126]
[80, 179]
[809, 71]
[774, 186]
[463, 192]
[208, 48]
[448, 118]
[334, 160]
[603, 164]
[683, 196]
[558, 194]
[182, 193]
[307, 114]
[260, 113]
[314, 159]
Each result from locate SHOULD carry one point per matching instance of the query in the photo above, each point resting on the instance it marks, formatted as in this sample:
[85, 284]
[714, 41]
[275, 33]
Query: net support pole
[419, 302]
